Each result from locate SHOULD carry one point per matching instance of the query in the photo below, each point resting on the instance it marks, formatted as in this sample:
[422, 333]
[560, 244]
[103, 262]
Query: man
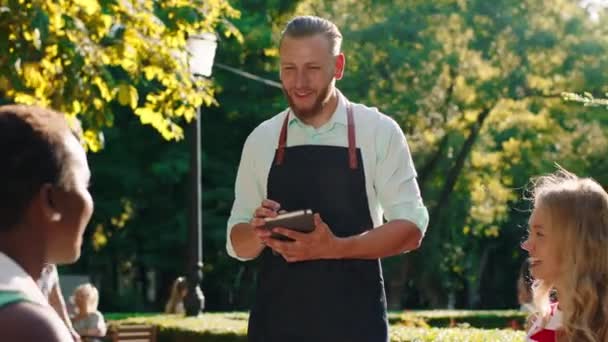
[350, 164]
[44, 208]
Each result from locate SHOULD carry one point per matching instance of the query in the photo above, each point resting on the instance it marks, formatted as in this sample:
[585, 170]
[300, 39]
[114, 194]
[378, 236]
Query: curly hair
[578, 211]
[33, 153]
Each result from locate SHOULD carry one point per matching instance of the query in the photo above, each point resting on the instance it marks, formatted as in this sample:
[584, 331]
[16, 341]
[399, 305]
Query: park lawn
[232, 326]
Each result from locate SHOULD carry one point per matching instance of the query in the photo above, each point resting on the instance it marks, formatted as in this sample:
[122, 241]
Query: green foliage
[454, 335]
[81, 57]
[485, 319]
[233, 327]
[586, 98]
[477, 88]
[141, 184]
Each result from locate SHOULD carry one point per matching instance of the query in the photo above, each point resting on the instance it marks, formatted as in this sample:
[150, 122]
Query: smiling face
[542, 247]
[308, 73]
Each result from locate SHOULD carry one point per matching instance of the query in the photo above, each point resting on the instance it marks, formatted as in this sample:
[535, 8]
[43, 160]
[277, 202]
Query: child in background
[88, 322]
[179, 290]
[568, 254]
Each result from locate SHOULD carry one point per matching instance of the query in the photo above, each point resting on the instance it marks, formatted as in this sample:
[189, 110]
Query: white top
[390, 176]
[48, 279]
[554, 323]
[14, 278]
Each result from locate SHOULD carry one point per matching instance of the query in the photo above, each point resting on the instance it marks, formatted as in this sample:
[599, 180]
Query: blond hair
[309, 25]
[179, 285]
[91, 293]
[578, 213]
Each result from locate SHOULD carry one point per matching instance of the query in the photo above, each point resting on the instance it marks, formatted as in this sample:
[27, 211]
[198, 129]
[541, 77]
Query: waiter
[351, 165]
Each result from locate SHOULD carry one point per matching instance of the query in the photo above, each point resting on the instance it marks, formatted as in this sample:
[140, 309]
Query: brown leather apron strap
[352, 142]
[282, 141]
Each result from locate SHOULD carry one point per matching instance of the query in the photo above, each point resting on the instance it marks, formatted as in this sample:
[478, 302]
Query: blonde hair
[179, 285]
[92, 295]
[308, 25]
[578, 213]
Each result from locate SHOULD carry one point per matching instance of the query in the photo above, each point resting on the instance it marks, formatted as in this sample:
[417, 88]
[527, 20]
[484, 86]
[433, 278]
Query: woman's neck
[27, 251]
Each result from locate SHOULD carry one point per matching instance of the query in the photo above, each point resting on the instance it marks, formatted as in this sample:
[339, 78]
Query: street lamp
[202, 52]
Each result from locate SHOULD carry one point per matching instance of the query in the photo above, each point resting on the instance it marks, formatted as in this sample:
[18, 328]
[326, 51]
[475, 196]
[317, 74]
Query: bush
[403, 334]
[228, 327]
[486, 319]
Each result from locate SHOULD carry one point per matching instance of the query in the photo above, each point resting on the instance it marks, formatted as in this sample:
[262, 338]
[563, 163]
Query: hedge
[486, 319]
[228, 327]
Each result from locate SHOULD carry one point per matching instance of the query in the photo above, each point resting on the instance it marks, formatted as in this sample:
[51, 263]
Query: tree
[121, 68]
[81, 56]
[141, 184]
[477, 88]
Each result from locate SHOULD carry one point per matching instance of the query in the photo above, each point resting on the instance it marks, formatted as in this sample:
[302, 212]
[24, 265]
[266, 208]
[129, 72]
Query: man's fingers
[257, 222]
[318, 220]
[264, 212]
[262, 233]
[292, 234]
[270, 204]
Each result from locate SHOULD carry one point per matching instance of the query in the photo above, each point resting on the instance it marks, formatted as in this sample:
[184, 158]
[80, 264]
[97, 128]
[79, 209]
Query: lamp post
[202, 52]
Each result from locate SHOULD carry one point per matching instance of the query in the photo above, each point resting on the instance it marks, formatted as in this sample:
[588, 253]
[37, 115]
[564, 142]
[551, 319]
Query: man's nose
[301, 79]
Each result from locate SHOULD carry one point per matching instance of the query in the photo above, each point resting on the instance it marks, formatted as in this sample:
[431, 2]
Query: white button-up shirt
[390, 176]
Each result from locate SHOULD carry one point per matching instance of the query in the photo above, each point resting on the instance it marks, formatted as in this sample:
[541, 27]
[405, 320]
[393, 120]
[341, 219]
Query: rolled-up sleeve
[395, 180]
[248, 193]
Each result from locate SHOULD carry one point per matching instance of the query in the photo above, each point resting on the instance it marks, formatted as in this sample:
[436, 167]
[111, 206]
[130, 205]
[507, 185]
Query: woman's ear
[48, 201]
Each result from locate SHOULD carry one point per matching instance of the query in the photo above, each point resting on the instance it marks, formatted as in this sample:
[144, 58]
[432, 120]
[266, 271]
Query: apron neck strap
[352, 143]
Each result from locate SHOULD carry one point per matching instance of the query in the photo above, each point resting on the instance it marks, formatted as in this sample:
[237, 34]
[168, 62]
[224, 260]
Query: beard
[317, 106]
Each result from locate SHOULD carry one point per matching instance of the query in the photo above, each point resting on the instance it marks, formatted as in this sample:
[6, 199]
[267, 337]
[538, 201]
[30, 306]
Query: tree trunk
[400, 277]
[456, 169]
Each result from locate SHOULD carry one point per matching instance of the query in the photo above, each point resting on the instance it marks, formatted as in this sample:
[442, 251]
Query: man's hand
[248, 238]
[269, 208]
[319, 244]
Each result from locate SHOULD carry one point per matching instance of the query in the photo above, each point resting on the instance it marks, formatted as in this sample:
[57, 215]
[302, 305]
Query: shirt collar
[14, 278]
[338, 117]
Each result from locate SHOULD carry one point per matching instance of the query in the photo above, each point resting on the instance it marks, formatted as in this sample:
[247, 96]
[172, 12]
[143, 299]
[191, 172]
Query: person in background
[88, 322]
[45, 207]
[49, 285]
[179, 290]
[568, 254]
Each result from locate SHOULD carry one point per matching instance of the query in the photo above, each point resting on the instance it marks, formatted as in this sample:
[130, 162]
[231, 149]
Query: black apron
[320, 300]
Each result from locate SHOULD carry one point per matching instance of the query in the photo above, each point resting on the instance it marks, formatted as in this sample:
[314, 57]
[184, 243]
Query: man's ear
[48, 202]
[340, 64]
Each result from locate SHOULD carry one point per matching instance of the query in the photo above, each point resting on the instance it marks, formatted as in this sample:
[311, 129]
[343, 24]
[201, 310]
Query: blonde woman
[179, 290]
[568, 249]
